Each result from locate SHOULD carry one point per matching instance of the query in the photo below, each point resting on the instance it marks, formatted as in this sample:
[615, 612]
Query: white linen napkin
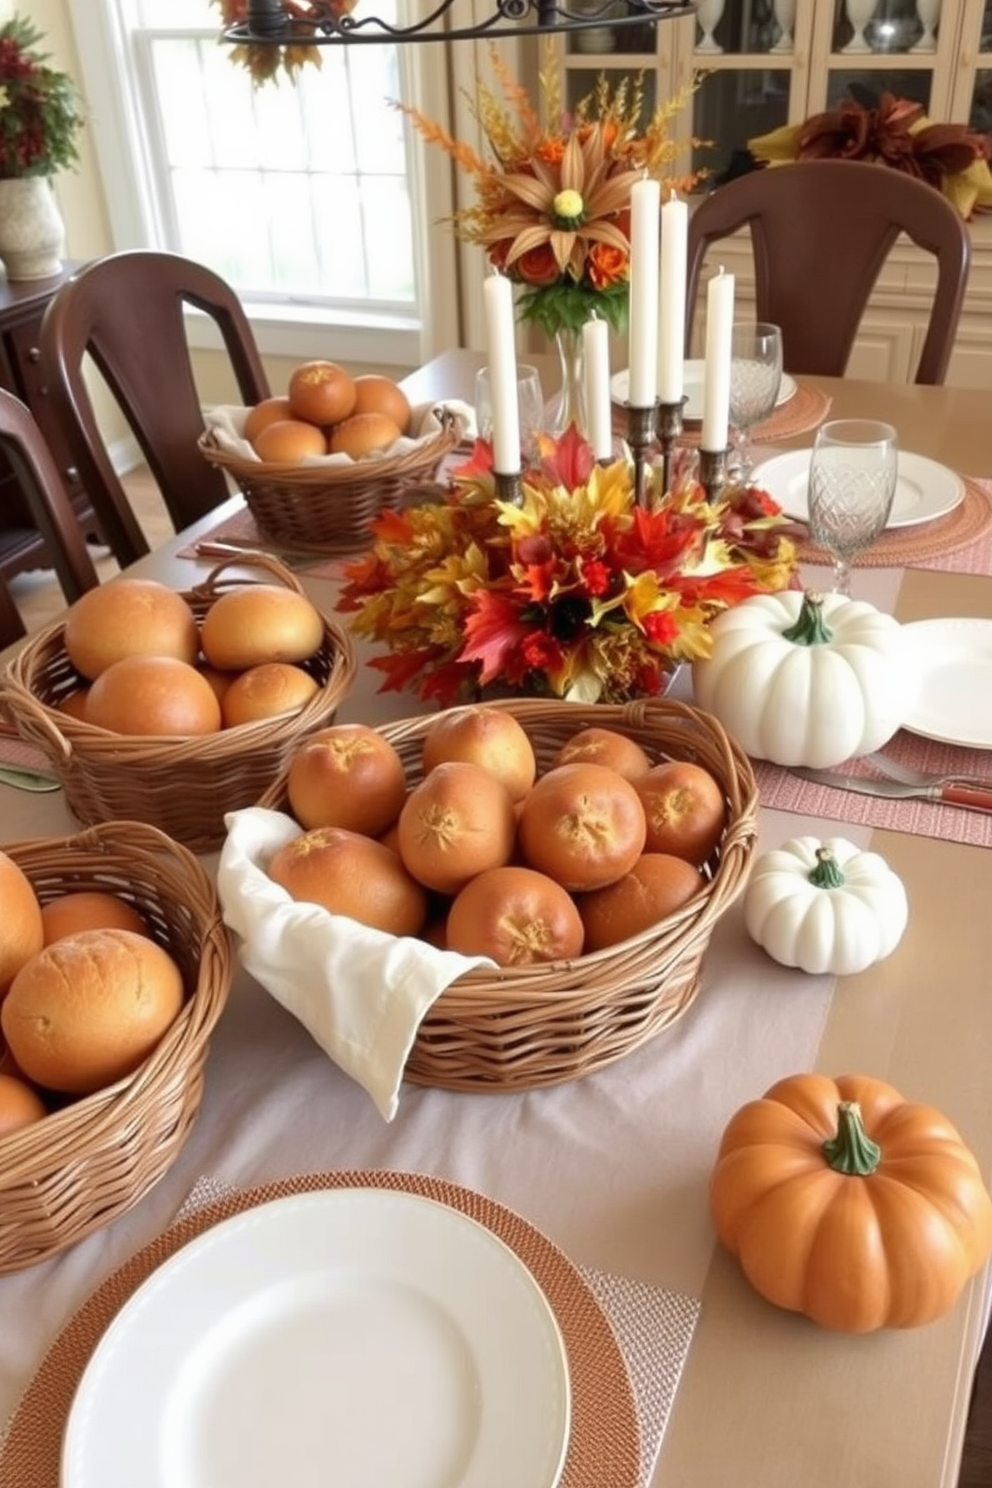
[361, 993]
[226, 422]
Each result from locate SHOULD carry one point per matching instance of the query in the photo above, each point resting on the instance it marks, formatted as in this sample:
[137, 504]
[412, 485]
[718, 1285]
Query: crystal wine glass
[755, 379]
[852, 481]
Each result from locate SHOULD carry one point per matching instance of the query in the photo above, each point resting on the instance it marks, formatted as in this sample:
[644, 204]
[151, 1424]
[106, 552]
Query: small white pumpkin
[825, 905]
[806, 679]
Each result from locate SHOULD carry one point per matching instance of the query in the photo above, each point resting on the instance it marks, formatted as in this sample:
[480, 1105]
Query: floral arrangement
[580, 592]
[40, 110]
[552, 207]
[896, 133]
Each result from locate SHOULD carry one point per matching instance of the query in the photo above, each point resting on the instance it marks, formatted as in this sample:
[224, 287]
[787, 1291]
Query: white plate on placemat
[954, 660]
[695, 370]
[357, 1336]
[925, 489]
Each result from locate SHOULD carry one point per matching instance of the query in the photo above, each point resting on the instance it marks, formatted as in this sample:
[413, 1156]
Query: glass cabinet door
[902, 47]
[973, 99]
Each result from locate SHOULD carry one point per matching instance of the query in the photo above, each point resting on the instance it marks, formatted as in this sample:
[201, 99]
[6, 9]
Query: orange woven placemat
[604, 1442]
[909, 547]
[805, 410]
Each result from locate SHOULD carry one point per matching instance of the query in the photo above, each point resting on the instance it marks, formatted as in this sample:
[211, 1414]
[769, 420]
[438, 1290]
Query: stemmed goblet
[755, 379]
[852, 481]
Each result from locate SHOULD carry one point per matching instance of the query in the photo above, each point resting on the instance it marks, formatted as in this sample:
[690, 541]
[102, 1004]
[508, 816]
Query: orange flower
[606, 266]
[536, 267]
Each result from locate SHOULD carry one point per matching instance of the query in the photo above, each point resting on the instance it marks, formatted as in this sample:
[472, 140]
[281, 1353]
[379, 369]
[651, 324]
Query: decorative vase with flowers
[578, 593]
[41, 116]
[552, 207]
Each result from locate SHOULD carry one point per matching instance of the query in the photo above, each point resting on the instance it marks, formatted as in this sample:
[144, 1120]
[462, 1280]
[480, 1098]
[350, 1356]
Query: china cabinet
[775, 62]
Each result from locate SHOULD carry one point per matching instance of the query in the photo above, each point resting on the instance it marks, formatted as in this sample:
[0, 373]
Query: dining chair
[125, 314]
[820, 232]
[25, 449]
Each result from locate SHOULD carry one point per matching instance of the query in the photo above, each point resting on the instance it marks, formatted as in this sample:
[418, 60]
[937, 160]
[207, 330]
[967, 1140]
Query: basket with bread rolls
[318, 464]
[99, 1087]
[517, 892]
[172, 708]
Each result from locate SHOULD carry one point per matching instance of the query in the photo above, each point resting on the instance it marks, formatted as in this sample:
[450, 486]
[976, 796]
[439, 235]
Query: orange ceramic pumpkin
[846, 1202]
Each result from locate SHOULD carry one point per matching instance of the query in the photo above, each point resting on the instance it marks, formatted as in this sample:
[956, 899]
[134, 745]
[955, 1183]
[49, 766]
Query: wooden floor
[40, 600]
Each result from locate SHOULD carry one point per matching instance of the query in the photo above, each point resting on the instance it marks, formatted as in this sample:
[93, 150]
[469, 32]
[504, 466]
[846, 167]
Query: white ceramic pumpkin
[825, 905]
[806, 679]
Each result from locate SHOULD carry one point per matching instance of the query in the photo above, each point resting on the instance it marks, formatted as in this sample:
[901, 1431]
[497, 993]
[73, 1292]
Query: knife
[974, 798]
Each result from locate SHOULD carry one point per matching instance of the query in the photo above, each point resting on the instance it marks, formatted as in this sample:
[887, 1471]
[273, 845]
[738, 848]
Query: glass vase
[568, 406]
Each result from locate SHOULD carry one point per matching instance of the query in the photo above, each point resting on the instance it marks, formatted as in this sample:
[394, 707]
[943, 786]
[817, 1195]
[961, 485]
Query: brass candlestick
[668, 428]
[713, 471]
[509, 488]
[640, 437]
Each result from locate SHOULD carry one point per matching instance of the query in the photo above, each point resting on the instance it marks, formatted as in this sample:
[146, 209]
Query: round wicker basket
[183, 786]
[88, 1162]
[327, 508]
[532, 1026]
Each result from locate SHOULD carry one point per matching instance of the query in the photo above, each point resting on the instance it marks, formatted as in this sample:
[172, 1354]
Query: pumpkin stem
[852, 1149]
[810, 628]
[826, 874]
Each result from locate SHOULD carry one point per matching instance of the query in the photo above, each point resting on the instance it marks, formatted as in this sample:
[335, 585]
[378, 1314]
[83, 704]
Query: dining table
[613, 1168]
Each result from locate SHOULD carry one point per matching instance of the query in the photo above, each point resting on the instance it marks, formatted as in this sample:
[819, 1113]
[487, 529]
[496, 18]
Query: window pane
[732, 107]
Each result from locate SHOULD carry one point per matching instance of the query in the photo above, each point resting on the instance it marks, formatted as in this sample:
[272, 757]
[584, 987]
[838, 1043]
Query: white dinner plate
[954, 662]
[354, 1336]
[925, 489]
[692, 412]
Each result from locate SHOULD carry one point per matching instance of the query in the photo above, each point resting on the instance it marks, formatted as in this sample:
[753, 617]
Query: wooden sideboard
[22, 306]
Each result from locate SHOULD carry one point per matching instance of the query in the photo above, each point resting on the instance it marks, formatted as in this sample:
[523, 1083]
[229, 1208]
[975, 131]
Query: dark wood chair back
[127, 312]
[820, 232]
[51, 510]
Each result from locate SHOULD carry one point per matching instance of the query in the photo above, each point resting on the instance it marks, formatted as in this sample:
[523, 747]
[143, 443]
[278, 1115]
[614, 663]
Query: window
[313, 199]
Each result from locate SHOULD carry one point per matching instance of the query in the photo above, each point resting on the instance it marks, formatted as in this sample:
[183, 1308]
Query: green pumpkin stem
[852, 1150]
[826, 874]
[810, 628]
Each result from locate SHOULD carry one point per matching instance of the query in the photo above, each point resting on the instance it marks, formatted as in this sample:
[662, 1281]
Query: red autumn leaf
[493, 629]
[567, 461]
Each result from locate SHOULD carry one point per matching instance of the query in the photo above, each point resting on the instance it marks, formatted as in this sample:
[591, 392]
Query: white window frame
[109, 64]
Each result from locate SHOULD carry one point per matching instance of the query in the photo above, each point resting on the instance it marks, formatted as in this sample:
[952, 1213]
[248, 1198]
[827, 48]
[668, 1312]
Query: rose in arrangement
[578, 592]
[41, 112]
[552, 203]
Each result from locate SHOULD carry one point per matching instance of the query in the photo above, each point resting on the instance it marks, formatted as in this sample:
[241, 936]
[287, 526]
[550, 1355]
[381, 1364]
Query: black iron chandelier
[326, 22]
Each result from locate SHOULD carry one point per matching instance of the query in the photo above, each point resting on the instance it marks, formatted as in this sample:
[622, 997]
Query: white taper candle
[716, 378]
[642, 390]
[498, 301]
[596, 373]
[671, 328]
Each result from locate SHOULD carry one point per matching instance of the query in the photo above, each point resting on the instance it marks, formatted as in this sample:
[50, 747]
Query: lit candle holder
[497, 295]
[596, 370]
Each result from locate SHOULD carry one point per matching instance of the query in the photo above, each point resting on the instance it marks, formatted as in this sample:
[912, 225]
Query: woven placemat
[926, 542]
[805, 410]
[604, 1448]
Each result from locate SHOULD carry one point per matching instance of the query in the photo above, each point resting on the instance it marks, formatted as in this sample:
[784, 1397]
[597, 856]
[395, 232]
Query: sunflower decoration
[578, 593]
[552, 207]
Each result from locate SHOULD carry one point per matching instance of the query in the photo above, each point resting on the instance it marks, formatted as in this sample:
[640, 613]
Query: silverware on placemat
[974, 798]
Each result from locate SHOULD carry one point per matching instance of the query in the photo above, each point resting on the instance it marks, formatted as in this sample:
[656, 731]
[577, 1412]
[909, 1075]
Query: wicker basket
[184, 786]
[88, 1162]
[325, 508]
[527, 1027]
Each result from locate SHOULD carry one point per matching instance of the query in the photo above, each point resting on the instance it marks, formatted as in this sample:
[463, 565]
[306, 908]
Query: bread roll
[128, 617]
[349, 874]
[88, 1009]
[257, 623]
[22, 934]
[267, 691]
[153, 695]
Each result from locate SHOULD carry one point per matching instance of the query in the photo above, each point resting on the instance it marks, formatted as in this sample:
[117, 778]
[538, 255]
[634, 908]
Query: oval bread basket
[86, 1163]
[329, 508]
[183, 786]
[541, 1025]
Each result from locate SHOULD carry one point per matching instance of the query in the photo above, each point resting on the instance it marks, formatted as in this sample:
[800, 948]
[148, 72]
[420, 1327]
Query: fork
[893, 770]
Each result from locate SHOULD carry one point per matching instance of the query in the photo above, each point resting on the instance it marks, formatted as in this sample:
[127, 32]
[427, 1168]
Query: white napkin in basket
[226, 422]
[361, 993]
